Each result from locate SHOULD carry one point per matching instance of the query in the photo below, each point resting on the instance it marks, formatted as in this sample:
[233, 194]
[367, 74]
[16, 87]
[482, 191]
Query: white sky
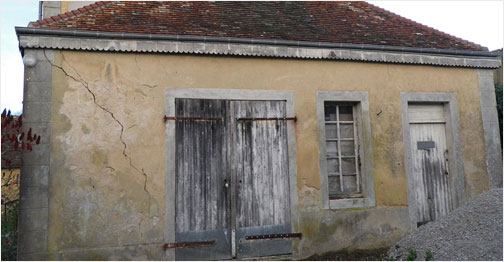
[480, 22]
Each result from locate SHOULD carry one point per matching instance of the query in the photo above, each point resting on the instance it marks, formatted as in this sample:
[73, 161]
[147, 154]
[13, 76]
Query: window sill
[351, 203]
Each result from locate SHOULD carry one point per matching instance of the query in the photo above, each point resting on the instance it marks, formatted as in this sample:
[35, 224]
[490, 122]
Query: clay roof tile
[335, 22]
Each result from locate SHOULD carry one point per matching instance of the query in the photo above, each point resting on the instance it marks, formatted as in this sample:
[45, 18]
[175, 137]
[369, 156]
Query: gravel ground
[471, 232]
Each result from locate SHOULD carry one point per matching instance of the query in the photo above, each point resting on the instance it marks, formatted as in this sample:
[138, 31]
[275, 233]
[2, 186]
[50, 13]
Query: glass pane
[347, 148]
[333, 165]
[334, 185]
[331, 131]
[345, 113]
[332, 149]
[330, 113]
[348, 165]
[346, 130]
[350, 184]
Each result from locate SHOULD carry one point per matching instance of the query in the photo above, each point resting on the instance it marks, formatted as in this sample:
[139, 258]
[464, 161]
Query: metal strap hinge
[188, 244]
[166, 118]
[274, 236]
[266, 118]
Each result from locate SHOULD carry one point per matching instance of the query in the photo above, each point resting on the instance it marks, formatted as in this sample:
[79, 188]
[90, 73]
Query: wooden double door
[232, 179]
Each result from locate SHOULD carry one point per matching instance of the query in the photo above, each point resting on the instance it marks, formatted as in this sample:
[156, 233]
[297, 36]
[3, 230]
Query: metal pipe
[234, 40]
[40, 10]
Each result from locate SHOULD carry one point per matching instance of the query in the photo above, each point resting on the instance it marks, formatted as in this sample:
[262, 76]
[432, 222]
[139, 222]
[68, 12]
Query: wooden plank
[426, 113]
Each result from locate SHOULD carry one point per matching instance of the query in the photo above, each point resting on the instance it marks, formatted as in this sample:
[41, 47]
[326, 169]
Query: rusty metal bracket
[266, 118]
[166, 118]
[274, 236]
[188, 244]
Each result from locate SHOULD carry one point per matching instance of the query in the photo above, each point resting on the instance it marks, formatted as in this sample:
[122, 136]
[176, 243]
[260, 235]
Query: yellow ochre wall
[107, 176]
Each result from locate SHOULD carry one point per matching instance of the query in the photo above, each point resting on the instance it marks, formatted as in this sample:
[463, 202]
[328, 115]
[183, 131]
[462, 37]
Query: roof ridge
[425, 26]
[69, 14]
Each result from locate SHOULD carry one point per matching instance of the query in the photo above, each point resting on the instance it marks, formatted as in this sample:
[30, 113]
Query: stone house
[212, 130]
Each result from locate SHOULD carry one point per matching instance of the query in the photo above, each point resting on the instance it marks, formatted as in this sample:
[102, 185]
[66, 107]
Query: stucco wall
[107, 172]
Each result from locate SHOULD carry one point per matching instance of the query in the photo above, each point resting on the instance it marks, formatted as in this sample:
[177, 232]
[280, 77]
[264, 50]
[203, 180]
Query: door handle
[226, 184]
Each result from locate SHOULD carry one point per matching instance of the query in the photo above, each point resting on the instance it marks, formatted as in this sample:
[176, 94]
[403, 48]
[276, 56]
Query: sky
[13, 13]
[480, 22]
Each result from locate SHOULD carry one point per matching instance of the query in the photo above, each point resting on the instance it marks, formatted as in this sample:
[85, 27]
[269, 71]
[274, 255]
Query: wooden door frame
[224, 94]
[457, 182]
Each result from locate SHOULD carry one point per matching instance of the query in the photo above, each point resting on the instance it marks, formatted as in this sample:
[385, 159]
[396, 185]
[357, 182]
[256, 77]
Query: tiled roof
[335, 22]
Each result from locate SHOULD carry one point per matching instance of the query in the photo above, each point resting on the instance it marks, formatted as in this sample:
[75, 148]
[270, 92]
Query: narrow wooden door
[262, 178]
[202, 198]
[430, 161]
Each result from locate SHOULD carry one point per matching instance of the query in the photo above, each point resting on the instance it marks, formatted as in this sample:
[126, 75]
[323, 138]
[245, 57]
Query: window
[342, 150]
[346, 164]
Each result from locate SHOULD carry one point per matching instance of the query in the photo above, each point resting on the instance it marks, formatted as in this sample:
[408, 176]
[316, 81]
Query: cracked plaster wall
[107, 177]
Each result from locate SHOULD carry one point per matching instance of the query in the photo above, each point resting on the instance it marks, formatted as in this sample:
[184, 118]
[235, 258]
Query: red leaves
[13, 138]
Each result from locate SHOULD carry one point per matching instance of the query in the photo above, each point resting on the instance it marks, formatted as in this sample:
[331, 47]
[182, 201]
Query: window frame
[364, 138]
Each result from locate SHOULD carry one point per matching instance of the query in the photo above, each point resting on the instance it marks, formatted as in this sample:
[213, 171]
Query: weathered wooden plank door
[430, 161]
[232, 178]
[202, 198]
[262, 177]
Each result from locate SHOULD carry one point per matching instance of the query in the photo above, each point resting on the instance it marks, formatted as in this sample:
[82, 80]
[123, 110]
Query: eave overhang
[39, 38]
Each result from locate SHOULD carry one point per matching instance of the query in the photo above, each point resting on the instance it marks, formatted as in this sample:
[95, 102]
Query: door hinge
[266, 118]
[166, 118]
[188, 244]
[274, 236]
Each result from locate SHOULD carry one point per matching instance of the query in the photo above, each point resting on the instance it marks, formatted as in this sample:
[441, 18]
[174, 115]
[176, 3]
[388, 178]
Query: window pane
[345, 113]
[347, 148]
[333, 165]
[332, 149]
[331, 131]
[330, 113]
[348, 165]
[334, 185]
[349, 184]
[346, 130]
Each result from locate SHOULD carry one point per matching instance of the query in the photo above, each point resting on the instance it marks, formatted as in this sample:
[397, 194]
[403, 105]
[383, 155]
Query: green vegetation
[412, 255]
[9, 230]
[428, 255]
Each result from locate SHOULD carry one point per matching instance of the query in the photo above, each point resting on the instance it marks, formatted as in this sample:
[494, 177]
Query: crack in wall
[86, 86]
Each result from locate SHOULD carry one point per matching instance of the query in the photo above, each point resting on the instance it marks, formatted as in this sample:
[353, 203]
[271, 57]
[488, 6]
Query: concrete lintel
[252, 49]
